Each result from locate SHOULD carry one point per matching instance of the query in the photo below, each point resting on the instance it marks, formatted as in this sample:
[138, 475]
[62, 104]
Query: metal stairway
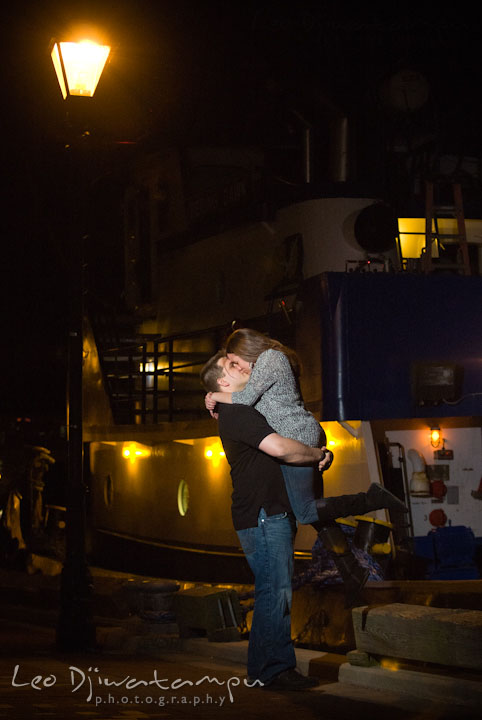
[155, 379]
[456, 241]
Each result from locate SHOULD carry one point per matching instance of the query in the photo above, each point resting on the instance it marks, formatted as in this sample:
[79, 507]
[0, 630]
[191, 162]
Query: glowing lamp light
[134, 451]
[148, 367]
[435, 437]
[389, 664]
[214, 453]
[78, 66]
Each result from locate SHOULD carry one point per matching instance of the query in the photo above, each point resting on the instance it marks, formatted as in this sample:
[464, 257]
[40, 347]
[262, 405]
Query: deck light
[435, 436]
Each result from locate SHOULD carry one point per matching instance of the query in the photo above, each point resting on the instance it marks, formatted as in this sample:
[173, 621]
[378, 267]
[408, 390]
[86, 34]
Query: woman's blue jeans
[303, 485]
[269, 552]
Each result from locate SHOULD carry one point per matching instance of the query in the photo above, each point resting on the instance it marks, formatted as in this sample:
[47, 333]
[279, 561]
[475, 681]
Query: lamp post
[78, 66]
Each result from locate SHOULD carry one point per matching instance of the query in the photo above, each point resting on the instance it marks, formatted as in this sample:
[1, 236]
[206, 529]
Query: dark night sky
[191, 72]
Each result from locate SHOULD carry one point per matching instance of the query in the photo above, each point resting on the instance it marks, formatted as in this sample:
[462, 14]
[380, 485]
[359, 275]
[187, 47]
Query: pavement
[144, 669]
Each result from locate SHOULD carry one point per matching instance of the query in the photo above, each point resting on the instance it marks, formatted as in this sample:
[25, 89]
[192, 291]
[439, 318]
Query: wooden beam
[415, 632]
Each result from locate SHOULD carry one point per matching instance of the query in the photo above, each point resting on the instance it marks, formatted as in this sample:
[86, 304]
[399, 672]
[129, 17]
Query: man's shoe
[291, 680]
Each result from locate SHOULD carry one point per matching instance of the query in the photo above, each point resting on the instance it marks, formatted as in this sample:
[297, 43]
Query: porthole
[183, 497]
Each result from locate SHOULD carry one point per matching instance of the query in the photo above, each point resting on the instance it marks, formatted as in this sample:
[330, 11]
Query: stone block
[415, 632]
[217, 612]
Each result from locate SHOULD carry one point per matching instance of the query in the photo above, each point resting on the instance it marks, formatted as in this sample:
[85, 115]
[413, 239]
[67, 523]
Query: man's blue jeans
[269, 552]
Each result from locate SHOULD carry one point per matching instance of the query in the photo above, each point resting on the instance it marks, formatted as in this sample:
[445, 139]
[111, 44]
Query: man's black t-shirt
[257, 478]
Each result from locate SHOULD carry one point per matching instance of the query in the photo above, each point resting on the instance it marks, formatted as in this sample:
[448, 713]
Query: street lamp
[79, 67]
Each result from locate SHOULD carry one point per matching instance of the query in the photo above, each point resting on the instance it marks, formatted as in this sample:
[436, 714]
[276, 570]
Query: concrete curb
[119, 640]
[440, 689]
[233, 652]
[237, 652]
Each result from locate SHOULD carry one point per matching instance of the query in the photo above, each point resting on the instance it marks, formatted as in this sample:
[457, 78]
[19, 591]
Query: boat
[390, 349]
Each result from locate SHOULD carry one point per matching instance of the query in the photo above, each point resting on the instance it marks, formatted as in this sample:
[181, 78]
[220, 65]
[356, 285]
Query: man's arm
[294, 452]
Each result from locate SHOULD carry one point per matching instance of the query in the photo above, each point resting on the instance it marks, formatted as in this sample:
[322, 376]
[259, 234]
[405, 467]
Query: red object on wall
[438, 488]
[437, 518]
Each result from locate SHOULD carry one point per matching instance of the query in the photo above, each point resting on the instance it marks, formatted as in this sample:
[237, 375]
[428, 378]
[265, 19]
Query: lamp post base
[76, 629]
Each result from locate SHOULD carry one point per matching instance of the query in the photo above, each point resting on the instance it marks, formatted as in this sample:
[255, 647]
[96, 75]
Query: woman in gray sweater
[273, 389]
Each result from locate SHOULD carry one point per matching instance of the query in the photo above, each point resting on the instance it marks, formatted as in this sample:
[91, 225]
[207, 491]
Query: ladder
[433, 213]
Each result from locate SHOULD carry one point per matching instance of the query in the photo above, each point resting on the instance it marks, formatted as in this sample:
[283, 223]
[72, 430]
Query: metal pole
[76, 629]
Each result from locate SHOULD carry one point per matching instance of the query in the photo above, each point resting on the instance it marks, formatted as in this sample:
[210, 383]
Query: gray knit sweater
[273, 391]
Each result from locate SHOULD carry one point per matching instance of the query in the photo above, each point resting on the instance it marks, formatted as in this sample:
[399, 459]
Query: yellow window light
[149, 367]
[412, 236]
[413, 239]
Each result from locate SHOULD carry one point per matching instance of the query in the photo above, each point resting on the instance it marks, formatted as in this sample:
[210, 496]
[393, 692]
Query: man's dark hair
[211, 372]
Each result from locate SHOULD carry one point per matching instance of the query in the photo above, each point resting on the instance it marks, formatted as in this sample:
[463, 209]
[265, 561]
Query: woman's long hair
[249, 344]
